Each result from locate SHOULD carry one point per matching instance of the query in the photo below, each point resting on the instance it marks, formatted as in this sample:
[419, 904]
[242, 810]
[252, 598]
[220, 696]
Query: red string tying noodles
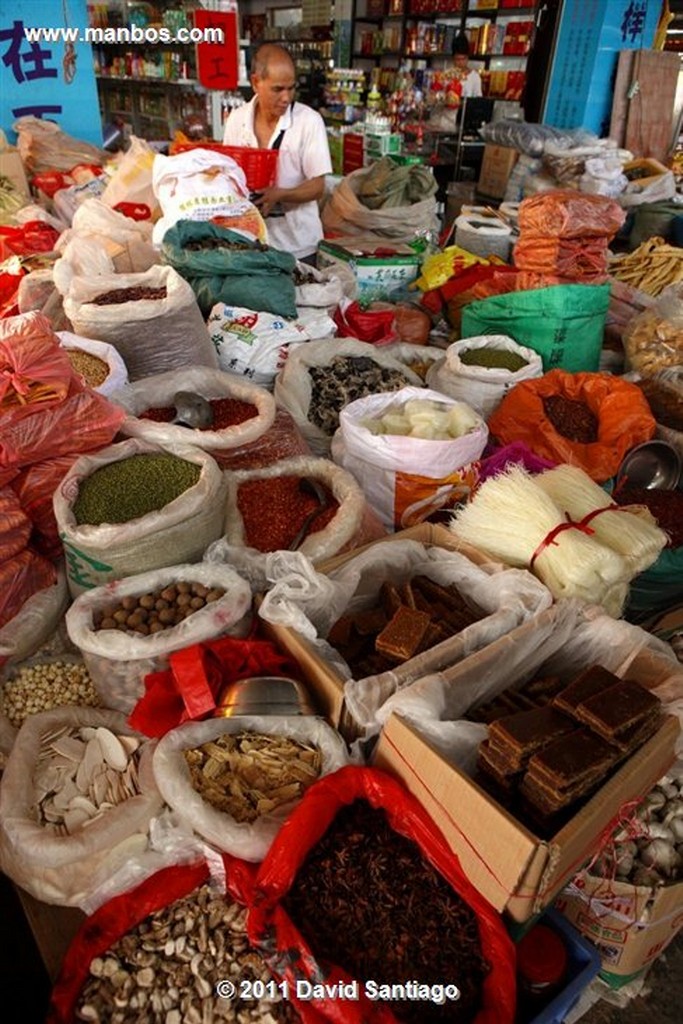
[550, 537]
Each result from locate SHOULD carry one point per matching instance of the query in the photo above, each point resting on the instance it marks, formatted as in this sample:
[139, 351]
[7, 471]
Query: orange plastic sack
[34, 368]
[20, 578]
[580, 259]
[624, 419]
[565, 213]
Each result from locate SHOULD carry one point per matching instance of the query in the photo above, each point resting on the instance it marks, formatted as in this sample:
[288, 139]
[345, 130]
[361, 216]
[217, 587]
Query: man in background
[274, 120]
[470, 80]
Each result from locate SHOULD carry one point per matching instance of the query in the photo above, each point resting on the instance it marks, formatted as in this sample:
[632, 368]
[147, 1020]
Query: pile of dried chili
[574, 420]
[227, 412]
[665, 506]
[274, 509]
[366, 900]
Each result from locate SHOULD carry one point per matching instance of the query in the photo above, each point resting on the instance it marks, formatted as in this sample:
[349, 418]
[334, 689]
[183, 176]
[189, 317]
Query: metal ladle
[192, 410]
[317, 490]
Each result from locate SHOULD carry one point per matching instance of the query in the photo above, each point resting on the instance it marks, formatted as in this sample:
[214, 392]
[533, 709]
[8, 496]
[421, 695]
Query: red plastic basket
[259, 165]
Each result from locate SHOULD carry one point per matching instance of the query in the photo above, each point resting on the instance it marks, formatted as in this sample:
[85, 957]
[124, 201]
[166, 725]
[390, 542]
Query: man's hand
[266, 200]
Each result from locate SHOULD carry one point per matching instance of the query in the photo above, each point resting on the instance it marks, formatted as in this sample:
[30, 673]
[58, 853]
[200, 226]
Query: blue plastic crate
[584, 964]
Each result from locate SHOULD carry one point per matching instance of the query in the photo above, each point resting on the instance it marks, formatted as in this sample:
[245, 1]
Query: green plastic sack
[258, 278]
[564, 324]
[658, 588]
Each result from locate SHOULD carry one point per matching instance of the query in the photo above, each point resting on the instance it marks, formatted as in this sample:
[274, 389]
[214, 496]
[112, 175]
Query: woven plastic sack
[151, 335]
[158, 392]
[65, 869]
[624, 420]
[254, 345]
[118, 661]
[482, 387]
[118, 374]
[406, 479]
[564, 324]
[272, 928]
[36, 620]
[179, 532]
[345, 214]
[242, 272]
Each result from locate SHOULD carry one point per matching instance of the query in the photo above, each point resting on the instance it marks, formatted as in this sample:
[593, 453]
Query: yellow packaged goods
[651, 267]
[653, 340]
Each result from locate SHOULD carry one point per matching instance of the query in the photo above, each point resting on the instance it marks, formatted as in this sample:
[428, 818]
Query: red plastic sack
[20, 578]
[15, 526]
[83, 418]
[565, 213]
[624, 419]
[34, 488]
[374, 325]
[576, 259]
[9, 294]
[122, 913]
[191, 687]
[34, 368]
[33, 236]
[271, 929]
[136, 211]
[282, 440]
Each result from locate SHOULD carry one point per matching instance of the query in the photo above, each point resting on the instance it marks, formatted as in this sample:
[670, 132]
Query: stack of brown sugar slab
[566, 770]
[514, 739]
[407, 620]
[537, 693]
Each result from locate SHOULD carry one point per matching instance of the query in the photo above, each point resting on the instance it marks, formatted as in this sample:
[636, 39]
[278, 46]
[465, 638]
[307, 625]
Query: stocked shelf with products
[389, 32]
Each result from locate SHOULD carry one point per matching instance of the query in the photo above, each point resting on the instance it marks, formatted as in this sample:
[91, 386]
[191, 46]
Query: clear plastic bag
[653, 340]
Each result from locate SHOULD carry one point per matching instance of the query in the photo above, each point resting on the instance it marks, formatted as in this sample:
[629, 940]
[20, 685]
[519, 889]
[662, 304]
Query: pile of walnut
[248, 774]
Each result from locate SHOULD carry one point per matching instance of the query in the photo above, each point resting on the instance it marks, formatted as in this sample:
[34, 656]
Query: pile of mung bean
[133, 487]
[46, 685]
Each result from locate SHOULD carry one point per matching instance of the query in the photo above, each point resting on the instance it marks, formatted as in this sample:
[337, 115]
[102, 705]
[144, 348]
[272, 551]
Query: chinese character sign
[46, 68]
[591, 34]
[218, 63]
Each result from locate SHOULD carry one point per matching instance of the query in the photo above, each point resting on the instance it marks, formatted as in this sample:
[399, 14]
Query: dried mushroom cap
[249, 774]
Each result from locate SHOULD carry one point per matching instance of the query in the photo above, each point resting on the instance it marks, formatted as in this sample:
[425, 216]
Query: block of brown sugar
[590, 683]
[390, 599]
[520, 735]
[488, 765]
[617, 709]
[631, 739]
[497, 762]
[370, 622]
[571, 759]
[403, 634]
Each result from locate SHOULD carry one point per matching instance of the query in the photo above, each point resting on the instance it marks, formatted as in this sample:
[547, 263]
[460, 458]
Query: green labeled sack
[239, 272]
[564, 324]
[658, 588]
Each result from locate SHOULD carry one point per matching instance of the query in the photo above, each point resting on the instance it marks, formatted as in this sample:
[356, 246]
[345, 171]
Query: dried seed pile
[367, 901]
[164, 971]
[93, 369]
[158, 610]
[249, 774]
[135, 294]
[345, 379]
[572, 419]
[37, 688]
[133, 487]
[495, 358]
[81, 773]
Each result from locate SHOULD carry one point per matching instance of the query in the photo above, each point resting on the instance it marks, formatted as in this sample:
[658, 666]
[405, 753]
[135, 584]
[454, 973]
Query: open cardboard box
[326, 685]
[517, 871]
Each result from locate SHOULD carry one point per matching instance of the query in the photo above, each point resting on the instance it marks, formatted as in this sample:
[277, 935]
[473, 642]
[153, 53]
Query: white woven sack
[179, 532]
[158, 392]
[118, 374]
[482, 387]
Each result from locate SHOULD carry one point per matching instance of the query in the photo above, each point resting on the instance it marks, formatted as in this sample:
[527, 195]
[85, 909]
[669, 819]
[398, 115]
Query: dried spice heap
[275, 509]
[164, 971]
[135, 294]
[227, 412]
[366, 901]
[249, 774]
[572, 419]
[344, 380]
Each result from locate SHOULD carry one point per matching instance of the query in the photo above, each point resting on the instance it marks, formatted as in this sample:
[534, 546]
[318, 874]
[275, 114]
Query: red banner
[218, 63]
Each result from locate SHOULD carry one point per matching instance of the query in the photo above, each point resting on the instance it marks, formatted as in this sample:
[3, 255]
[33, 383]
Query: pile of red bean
[227, 412]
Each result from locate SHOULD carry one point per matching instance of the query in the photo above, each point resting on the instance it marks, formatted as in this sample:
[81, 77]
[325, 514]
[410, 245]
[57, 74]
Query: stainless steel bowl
[653, 465]
[264, 695]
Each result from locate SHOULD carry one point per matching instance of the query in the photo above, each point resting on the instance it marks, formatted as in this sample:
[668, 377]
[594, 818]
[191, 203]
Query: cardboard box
[326, 685]
[630, 926]
[515, 869]
[378, 277]
[496, 168]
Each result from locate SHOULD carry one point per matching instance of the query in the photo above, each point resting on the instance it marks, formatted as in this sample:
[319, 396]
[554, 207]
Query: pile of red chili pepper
[227, 412]
[572, 419]
[274, 510]
[665, 506]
